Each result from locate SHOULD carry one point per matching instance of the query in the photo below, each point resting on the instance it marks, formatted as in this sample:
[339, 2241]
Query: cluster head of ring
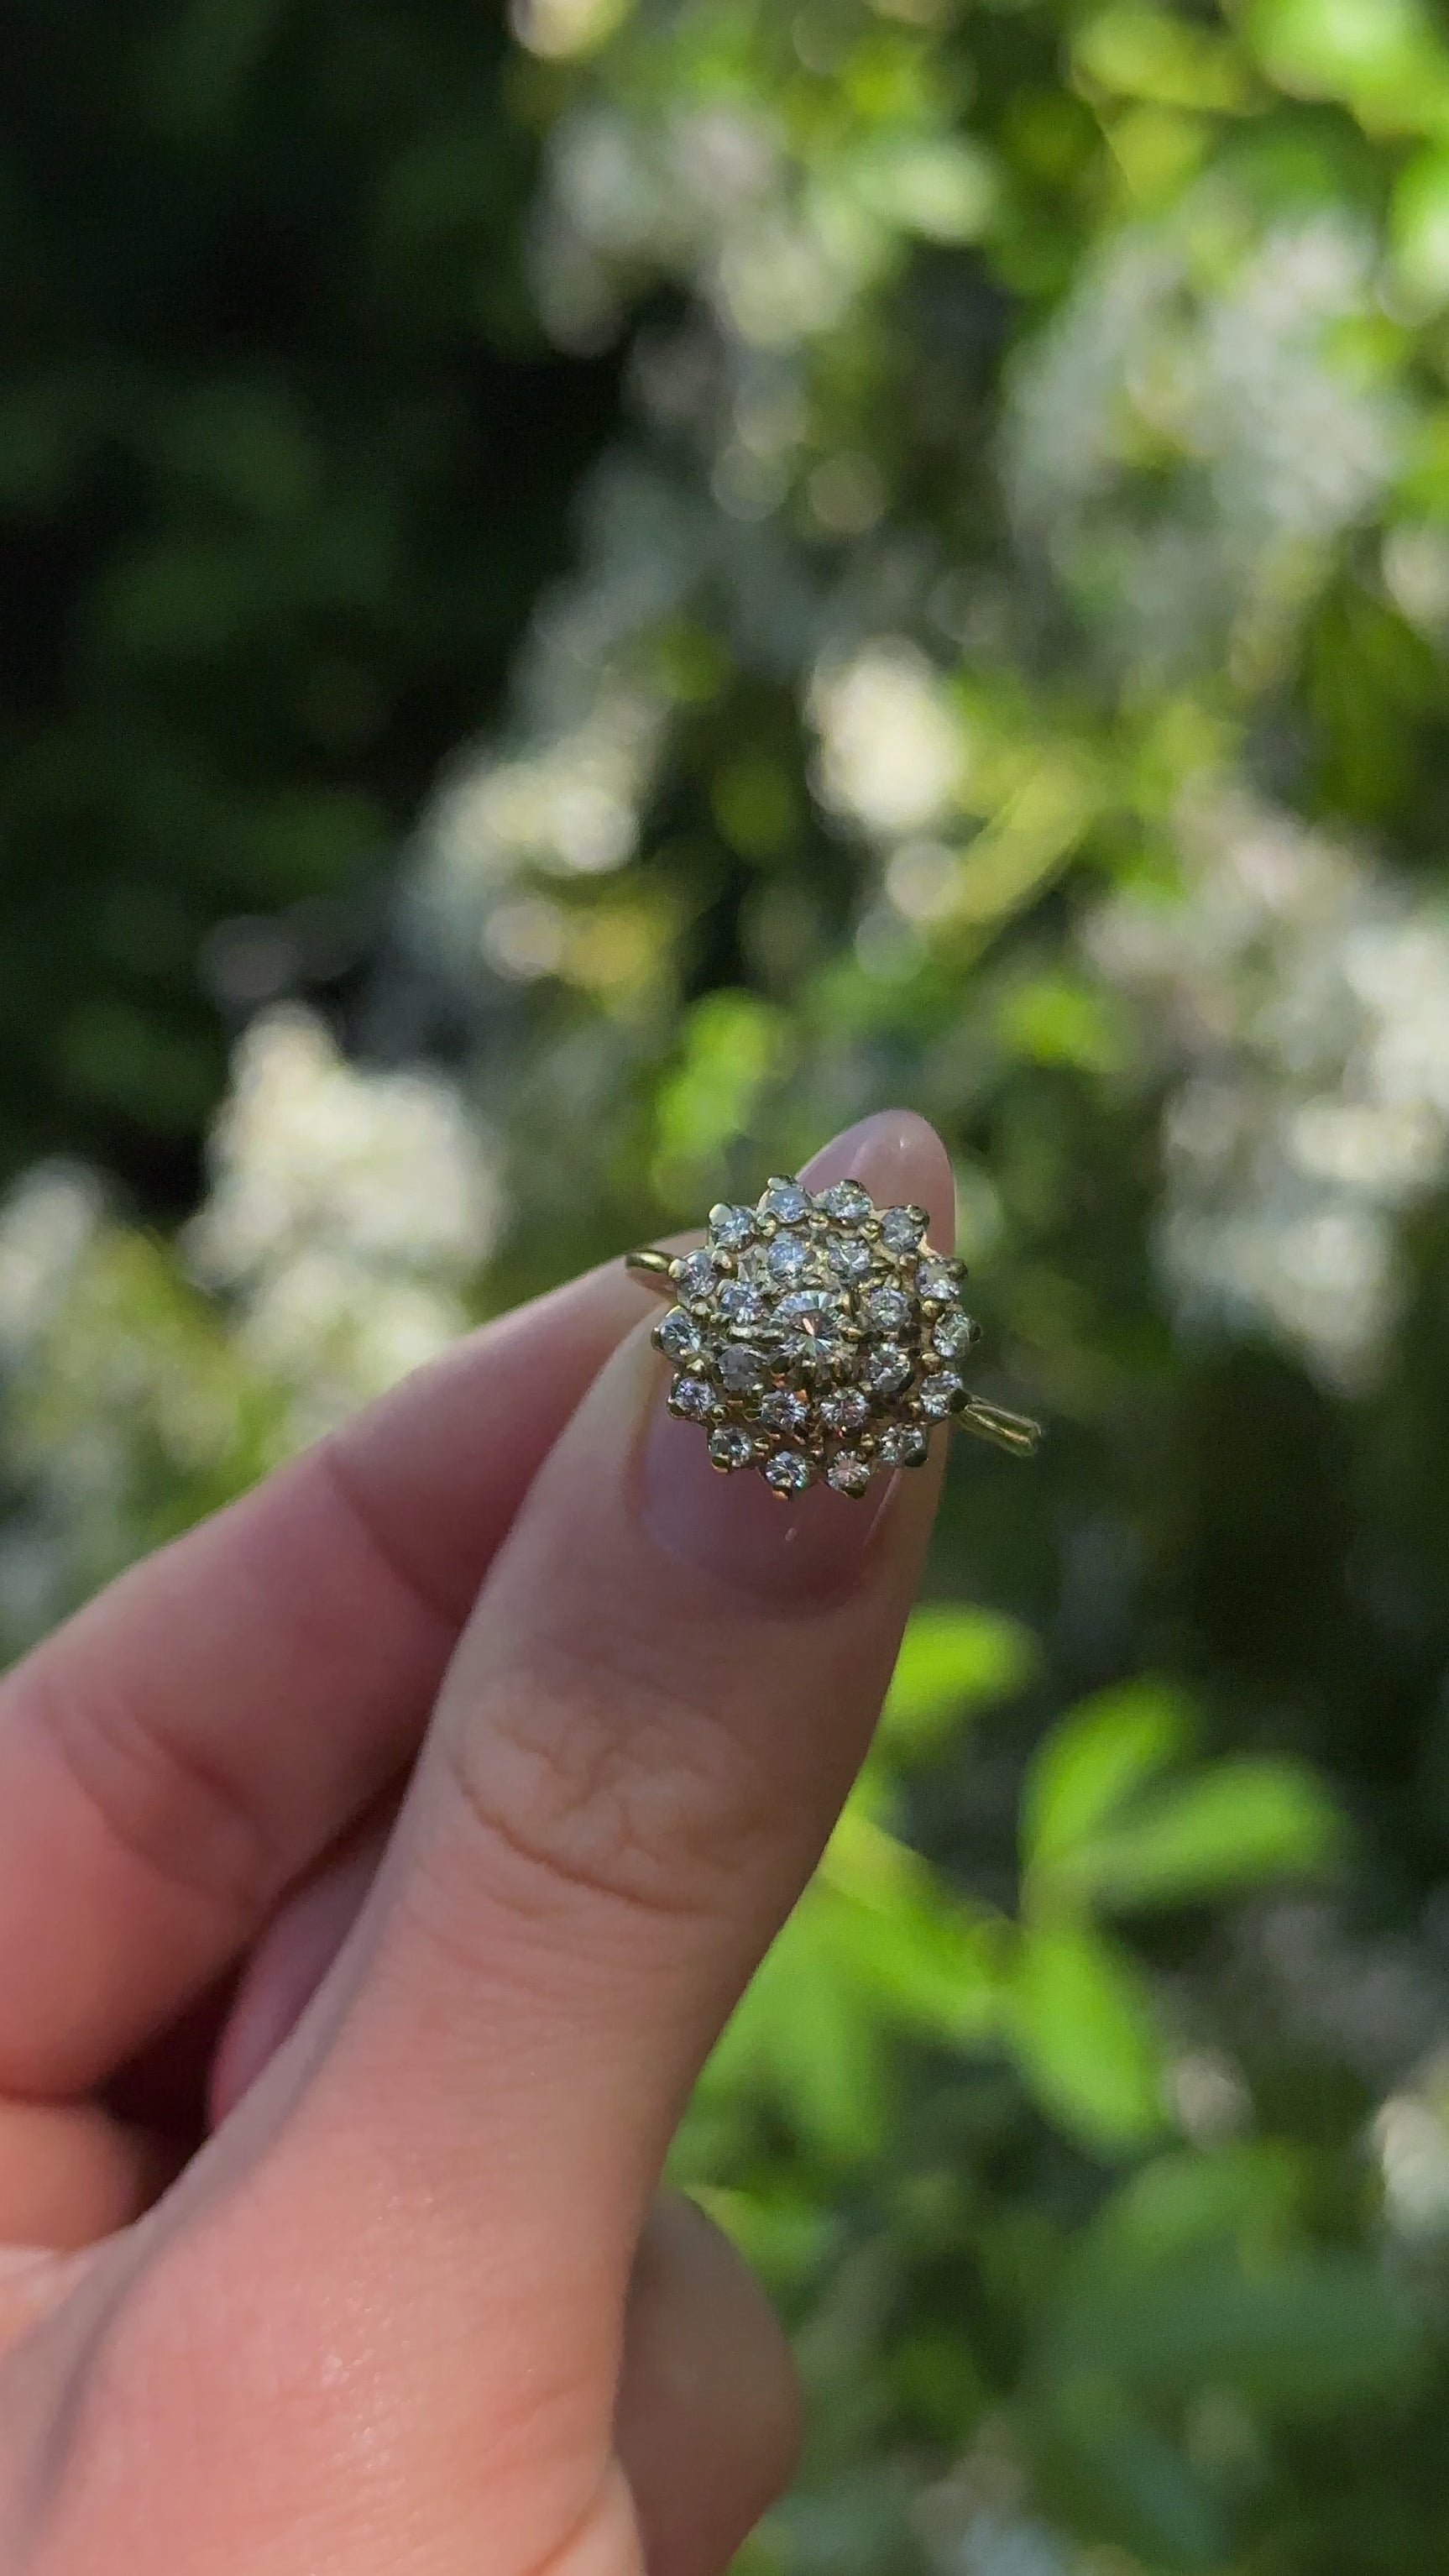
[816, 1338]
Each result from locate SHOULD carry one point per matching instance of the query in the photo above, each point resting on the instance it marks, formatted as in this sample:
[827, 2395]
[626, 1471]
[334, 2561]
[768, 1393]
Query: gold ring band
[817, 1338]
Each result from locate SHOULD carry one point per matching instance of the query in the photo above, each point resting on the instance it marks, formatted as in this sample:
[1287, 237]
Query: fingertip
[812, 1549]
[896, 1155]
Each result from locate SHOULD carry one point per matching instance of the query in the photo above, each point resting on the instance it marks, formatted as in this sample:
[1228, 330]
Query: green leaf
[941, 187]
[733, 1045]
[1231, 1827]
[1245, 2199]
[1139, 2484]
[1029, 839]
[1148, 53]
[1300, 2337]
[1085, 2036]
[952, 1661]
[806, 2036]
[1380, 56]
[931, 1966]
[1419, 228]
[756, 806]
[1327, 48]
[1100, 1754]
[1055, 1019]
[929, 1959]
[935, 2376]
[826, 2057]
[784, 2235]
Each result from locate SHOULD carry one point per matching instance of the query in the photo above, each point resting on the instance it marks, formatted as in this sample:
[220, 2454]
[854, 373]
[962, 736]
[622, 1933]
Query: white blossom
[892, 751]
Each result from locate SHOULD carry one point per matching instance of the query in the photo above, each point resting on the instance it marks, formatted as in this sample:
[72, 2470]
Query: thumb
[647, 1731]
[425, 2213]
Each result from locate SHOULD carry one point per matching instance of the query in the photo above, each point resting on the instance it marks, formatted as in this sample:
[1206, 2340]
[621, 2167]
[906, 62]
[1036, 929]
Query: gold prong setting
[817, 1338]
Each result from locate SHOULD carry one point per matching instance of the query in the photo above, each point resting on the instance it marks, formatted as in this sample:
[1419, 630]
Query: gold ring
[818, 1338]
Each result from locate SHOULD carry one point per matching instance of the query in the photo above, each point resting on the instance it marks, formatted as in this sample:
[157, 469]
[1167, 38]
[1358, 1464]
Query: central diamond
[810, 1335]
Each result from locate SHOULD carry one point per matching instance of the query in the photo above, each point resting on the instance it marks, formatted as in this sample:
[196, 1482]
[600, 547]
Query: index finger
[643, 1740]
[176, 1754]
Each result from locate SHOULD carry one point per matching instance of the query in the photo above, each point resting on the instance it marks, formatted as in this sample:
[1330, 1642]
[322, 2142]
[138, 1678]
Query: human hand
[378, 1865]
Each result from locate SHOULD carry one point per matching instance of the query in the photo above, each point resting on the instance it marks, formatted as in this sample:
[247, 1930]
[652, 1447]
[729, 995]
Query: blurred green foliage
[281, 465]
[613, 596]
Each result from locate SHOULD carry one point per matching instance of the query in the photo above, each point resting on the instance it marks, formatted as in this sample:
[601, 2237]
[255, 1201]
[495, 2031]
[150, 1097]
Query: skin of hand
[378, 1865]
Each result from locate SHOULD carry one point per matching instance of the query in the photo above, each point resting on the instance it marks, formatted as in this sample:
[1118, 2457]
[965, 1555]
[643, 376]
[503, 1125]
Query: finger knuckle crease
[607, 1785]
[166, 1799]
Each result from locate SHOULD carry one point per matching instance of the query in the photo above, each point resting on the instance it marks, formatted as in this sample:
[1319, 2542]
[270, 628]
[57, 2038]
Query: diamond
[886, 1309]
[731, 1227]
[902, 1444]
[742, 1370]
[731, 1446]
[817, 1338]
[698, 1277]
[953, 1334]
[821, 1362]
[802, 1302]
[817, 1314]
[901, 1228]
[848, 1472]
[787, 1260]
[786, 1202]
[785, 1410]
[693, 1396]
[936, 1278]
[677, 1335]
[819, 1326]
[889, 1370]
[849, 1257]
[741, 1303]
[789, 1471]
[848, 1203]
[847, 1411]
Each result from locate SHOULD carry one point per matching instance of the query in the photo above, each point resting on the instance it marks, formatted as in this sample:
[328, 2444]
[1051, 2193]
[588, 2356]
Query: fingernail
[734, 1528]
[814, 1548]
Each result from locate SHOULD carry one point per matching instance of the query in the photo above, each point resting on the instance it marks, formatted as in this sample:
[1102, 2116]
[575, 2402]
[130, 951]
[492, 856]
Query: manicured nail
[814, 1547]
[733, 1527]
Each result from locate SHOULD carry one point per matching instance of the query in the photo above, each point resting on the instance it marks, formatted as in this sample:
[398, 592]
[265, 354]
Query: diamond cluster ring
[817, 1338]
